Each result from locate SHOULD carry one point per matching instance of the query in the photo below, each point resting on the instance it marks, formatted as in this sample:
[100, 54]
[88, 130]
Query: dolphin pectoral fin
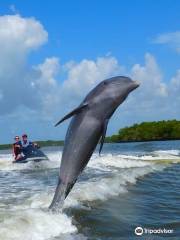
[103, 135]
[75, 111]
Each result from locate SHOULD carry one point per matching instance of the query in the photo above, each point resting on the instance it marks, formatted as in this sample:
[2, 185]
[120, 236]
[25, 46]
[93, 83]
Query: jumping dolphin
[86, 128]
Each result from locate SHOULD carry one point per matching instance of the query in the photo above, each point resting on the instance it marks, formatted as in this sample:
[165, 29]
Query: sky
[54, 52]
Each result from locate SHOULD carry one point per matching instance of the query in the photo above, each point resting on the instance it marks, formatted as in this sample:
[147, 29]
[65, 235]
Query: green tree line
[145, 131]
[148, 131]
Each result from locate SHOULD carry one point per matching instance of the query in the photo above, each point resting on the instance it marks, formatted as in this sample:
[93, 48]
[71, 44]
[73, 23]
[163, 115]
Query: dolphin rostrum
[87, 127]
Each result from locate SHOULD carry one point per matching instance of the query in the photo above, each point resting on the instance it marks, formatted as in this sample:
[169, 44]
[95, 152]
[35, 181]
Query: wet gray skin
[87, 127]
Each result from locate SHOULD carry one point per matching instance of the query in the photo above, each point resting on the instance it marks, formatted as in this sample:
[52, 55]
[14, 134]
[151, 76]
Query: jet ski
[31, 153]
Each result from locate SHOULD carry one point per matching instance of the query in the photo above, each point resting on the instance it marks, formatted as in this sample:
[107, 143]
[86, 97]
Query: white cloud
[37, 92]
[176, 81]
[56, 97]
[84, 75]
[153, 99]
[171, 38]
[18, 37]
[149, 101]
[49, 69]
[25, 33]
[46, 86]
[151, 77]
[175, 93]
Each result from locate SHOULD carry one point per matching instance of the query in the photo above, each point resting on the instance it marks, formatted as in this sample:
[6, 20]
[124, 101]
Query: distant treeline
[50, 143]
[145, 131]
[148, 131]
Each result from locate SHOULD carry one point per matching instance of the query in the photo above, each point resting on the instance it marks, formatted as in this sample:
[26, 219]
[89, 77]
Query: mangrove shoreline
[143, 132]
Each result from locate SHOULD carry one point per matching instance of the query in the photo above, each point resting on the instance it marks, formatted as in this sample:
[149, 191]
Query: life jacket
[24, 145]
[17, 147]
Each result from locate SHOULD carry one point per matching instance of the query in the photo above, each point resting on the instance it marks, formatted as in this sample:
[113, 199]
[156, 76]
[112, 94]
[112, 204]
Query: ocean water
[130, 185]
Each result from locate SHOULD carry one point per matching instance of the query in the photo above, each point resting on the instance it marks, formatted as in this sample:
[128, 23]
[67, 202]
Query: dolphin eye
[105, 83]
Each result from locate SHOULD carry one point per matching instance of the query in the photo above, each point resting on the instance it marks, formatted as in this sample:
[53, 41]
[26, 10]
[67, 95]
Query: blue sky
[87, 29]
[125, 31]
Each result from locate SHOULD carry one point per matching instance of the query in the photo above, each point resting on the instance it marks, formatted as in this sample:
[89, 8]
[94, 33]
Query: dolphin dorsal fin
[73, 112]
[104, 128]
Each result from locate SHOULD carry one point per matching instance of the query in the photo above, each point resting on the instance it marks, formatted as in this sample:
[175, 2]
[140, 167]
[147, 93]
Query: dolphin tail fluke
[75, 111]
[59, 197]
[62, 190]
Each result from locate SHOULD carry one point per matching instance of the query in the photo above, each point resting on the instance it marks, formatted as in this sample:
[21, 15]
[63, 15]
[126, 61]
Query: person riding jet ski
[17, 148]
[25, 151]
[26, 143]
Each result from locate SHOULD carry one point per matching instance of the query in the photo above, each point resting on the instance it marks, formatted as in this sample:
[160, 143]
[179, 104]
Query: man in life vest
[25, 141]
[25, 144]
[17, 148]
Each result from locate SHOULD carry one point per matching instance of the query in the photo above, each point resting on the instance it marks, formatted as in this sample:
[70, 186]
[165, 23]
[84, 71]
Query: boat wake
[23, 204]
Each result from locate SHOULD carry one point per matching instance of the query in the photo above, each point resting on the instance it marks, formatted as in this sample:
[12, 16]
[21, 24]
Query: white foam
[35, 224]
[168, 153]
[107, 187]
[7, 165]
[28, 221]
[106, 162]
[93, 189]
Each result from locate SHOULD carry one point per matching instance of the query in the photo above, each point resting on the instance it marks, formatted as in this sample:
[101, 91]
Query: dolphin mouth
[136, 84]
